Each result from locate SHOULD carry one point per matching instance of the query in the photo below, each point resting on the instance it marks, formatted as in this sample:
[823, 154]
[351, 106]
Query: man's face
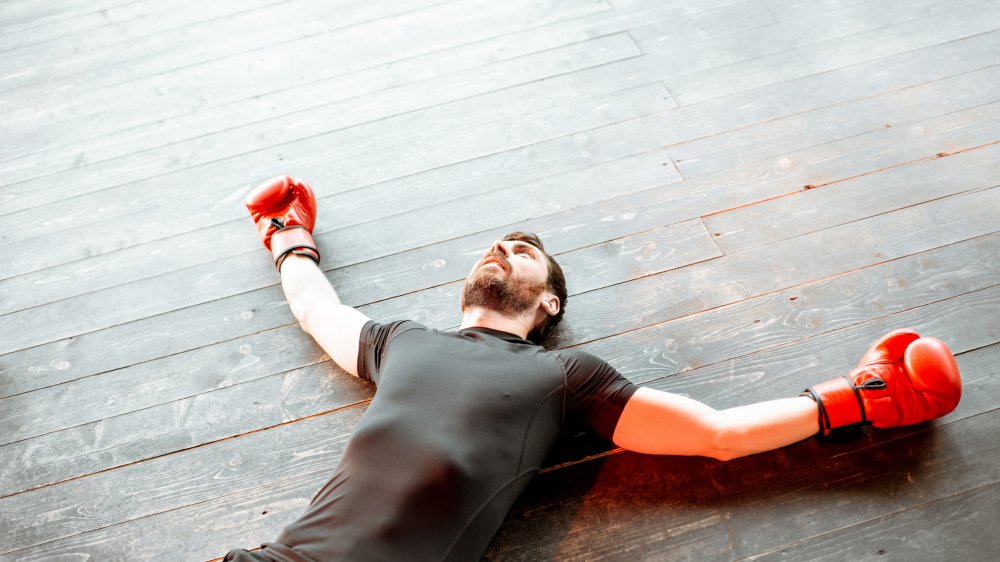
[510, 278]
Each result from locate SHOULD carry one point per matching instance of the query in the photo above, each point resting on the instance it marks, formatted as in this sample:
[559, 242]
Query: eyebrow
[520, 244]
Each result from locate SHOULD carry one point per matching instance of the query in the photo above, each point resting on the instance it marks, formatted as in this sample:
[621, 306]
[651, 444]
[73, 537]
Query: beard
[505, 295]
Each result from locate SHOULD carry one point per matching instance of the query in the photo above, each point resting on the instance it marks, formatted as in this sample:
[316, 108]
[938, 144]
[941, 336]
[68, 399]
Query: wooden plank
[162, 429]
[822, 90]
[435, 28]
[947, 24]
[168, 121]
[947, 529]
[736, 77]
[418, 268]
[815, 209]
[511, 85]
[788, 9]
[896, 108]
[782, 35]
[128, 20]
[90, 60]
[786, 264]
[340, 160]
[280, 459]
[128, 419]
[109, 307]
[781, 318]
[18, 15]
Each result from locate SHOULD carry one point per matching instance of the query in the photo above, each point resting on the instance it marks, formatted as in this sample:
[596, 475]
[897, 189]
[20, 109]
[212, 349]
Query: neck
[486, 318]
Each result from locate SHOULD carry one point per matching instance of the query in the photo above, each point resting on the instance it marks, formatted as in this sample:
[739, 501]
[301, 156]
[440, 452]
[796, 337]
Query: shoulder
[577, 360]
[373, 330]
[584, 372]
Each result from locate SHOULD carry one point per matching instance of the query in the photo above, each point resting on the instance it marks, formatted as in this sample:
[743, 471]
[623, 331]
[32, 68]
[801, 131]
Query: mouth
[494, 261]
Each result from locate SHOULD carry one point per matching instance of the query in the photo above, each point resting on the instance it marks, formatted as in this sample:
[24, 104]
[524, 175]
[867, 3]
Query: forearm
[336, 327]
[764, 426]
[305, 285]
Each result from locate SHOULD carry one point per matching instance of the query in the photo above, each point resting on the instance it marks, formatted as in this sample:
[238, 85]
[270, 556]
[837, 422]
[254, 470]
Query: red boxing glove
[902, 380]
[284, 210]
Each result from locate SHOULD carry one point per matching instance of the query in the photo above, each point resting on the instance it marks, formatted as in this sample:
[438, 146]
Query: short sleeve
[375, 341]
[596, 392]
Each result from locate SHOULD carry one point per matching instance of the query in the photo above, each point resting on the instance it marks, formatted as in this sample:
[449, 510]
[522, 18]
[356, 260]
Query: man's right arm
[336, 327]
[284, 211]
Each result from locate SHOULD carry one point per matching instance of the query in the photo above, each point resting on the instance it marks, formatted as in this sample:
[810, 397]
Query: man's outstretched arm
[336, 327]
[662, 423]
[284, 211]
[903, 379]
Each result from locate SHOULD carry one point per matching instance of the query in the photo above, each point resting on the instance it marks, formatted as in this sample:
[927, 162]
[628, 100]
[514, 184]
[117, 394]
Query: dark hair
[556, 284]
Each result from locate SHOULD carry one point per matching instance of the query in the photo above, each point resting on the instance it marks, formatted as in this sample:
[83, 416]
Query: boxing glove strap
[293, 240]
[839, 404]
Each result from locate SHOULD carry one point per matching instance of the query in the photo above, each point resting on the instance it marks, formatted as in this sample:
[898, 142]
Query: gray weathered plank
[786, 263]
[336, 53]
[944, 529]
[17, 15]
[949, 23]
[380, 41]
[340, 160]
[115, 23]
[507, 85]
[884, 293]
[92, 59]
[896, 108]
[815, 209]
[788, 9]
[782, 35]
[736, 77]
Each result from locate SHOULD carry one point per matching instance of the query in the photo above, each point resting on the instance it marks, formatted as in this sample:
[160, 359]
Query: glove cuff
[293, 240]
[839, 404]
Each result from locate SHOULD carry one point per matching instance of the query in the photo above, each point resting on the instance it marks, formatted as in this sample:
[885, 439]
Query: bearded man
[461, 421]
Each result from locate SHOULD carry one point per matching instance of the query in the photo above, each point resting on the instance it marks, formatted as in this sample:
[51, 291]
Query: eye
[525, 252]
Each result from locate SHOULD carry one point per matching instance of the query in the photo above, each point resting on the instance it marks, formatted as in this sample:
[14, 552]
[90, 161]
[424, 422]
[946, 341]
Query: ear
[550, 304]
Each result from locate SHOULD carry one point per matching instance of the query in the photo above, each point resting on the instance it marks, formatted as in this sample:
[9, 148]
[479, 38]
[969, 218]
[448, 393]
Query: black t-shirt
[459, 424]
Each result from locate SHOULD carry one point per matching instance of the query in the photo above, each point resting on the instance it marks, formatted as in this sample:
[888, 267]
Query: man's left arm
[662, 423]
[903, 379]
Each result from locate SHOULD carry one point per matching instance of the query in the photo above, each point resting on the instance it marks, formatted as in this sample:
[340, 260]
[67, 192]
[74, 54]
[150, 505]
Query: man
[461, 421]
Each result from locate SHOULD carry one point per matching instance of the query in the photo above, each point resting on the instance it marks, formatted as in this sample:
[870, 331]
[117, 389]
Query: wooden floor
[744, 195]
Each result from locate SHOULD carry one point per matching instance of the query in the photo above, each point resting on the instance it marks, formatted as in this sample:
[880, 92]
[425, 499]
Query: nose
[498, 248]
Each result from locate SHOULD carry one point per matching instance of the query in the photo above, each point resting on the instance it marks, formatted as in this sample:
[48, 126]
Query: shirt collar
[506, 336]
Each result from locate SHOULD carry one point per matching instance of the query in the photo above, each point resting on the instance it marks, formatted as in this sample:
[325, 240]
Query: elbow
[301, 311]
[727, 442]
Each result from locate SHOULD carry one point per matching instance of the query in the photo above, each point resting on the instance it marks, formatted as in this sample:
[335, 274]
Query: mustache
[498, 257]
